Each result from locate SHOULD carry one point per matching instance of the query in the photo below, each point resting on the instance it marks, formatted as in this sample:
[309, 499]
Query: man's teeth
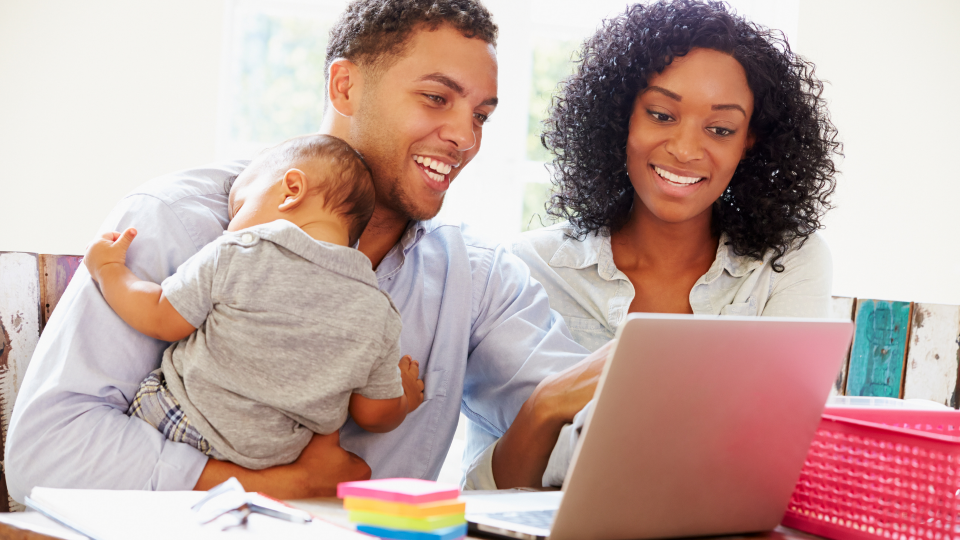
[676, 178]
[440, 167]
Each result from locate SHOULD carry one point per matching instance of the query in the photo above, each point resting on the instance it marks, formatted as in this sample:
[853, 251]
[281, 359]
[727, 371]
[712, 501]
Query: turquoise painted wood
[879, 348]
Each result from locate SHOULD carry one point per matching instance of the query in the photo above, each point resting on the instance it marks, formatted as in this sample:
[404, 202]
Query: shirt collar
[595, 249]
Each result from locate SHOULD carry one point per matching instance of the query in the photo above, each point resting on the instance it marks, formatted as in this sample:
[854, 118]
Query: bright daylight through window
[273, 89]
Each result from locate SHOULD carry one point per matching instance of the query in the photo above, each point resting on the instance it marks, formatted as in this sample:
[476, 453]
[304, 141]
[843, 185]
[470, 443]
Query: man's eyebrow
[455, 86]
[672, 95]
[444, 80]
[730, 107]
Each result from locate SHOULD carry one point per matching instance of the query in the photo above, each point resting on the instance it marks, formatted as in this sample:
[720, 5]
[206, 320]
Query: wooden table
[331, 509]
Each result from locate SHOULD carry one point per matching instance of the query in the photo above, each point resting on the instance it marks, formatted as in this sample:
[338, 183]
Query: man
[410, 83]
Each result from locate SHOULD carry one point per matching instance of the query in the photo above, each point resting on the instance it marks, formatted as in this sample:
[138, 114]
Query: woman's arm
[139, 303]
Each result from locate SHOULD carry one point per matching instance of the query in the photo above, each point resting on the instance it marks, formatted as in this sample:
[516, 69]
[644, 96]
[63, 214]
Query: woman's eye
[722, 132]
[659, 116]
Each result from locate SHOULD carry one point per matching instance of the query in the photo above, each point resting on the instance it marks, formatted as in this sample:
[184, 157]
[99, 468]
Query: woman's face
[688, 132]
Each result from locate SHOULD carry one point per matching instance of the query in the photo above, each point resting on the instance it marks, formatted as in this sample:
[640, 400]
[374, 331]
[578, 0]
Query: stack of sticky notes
[405, 509]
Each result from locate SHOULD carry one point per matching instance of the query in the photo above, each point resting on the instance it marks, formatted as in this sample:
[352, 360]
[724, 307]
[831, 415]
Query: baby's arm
[382, 415]
[139, 303]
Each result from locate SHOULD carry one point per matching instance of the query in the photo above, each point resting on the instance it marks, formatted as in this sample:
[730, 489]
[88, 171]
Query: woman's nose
[685, 143]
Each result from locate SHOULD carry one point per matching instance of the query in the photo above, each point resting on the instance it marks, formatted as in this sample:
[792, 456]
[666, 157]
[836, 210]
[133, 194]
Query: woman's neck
[646, 241]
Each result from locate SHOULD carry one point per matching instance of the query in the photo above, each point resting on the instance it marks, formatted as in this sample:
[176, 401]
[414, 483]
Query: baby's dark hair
[369, 32]
[783, 185]
[347, 182]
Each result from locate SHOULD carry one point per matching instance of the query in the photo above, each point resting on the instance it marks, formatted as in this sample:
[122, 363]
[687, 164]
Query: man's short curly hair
[781, 188]
[370, 32]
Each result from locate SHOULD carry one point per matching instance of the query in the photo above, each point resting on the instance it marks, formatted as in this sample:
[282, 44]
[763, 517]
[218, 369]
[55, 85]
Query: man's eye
[439, 100]
[481, 118]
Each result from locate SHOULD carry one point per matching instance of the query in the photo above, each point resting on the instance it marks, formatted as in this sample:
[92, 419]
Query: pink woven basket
[881, 473]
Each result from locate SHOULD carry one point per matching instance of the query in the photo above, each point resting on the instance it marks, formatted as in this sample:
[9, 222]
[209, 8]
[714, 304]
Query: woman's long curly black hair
[781, 188]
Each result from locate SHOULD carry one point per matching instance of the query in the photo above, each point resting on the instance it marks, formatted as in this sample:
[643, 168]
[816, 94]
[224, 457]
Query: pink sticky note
[403, 490]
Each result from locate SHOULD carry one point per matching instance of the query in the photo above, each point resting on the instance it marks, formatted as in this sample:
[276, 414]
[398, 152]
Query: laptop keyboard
[532, 518]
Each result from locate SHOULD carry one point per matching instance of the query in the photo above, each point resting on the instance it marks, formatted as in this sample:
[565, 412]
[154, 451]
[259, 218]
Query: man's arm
[141, 304]
[69, 427]
[526, 377]
[521, 455]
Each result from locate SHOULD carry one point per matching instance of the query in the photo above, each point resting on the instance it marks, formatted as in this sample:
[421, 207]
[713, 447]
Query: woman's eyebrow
[730, 107]
[672, 95]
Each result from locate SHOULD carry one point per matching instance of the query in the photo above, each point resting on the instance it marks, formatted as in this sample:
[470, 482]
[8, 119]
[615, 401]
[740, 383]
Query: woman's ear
[344, 86]
[748, 144]
[293, 187]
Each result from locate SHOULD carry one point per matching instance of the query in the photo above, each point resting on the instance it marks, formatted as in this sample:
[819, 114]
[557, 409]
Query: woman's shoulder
[811, 251]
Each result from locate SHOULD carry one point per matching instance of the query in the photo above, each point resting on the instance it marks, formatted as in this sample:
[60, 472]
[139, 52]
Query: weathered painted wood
[879, 348]
[842, 308]
[19, 333]
[56, 271]
[933, 359]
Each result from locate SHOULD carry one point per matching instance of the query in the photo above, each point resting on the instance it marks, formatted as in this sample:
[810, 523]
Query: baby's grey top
[287, 328]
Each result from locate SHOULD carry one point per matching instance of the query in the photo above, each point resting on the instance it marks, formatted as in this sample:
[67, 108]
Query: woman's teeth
[676, 179]
[438, 169]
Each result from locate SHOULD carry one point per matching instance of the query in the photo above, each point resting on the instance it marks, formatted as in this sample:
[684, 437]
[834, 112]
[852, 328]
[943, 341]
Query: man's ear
[344, 86]
[293, 187]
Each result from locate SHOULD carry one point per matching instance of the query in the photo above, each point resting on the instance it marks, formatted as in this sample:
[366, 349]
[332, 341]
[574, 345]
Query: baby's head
[317, 182]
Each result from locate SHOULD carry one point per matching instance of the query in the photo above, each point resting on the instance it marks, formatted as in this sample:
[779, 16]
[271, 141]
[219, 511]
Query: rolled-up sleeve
[517, 341]
[69, 428]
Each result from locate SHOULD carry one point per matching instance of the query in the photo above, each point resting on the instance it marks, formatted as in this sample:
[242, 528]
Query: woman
[693, 162]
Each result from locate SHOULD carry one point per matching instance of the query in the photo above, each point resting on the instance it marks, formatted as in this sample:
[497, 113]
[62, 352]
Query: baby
[280, 327]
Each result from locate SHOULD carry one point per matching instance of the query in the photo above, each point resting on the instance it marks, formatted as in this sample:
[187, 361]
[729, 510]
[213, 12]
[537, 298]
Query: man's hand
[111, 248]
[316, 473]
[521, 455]
[412, 385]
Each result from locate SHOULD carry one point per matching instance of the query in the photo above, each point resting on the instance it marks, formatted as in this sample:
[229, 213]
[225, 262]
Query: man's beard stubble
[378, 152]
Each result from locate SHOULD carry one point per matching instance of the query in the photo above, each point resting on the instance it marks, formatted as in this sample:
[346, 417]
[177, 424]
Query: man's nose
[459, 130]
[685, 144]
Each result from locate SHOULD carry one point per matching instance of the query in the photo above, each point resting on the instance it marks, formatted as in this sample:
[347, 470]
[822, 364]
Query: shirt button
[247, 238]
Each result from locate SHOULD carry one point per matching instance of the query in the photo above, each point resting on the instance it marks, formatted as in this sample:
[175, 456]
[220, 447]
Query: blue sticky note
[447, 533]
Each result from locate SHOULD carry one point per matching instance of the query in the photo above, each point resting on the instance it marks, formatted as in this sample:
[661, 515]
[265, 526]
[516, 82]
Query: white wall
[99, 96]
[894, 72]
[95, 98]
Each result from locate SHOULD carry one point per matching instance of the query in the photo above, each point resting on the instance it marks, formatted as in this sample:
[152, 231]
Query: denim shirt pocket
[585, 325]
[434, 384]
[741, 309]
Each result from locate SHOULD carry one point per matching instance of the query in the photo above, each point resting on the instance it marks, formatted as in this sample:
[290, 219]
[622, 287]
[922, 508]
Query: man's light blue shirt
[480, 326]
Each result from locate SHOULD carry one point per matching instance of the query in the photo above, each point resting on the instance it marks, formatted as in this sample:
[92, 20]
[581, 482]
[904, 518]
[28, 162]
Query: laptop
[700, 427]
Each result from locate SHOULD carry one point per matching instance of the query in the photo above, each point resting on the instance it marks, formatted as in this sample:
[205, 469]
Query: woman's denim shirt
[593, 296]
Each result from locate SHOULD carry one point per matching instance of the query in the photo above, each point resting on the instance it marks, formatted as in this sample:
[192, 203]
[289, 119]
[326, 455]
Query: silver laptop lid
[701, 426]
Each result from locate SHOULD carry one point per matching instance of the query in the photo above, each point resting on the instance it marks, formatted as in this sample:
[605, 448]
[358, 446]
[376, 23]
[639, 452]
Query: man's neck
[381, 234]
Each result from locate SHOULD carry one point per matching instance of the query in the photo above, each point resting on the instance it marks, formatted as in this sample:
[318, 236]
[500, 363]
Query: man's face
[420, 121]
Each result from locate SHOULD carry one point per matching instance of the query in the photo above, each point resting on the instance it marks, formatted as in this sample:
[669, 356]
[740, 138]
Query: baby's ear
[293, 187]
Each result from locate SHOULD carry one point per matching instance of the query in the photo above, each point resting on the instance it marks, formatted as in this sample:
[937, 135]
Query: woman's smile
[688, 131]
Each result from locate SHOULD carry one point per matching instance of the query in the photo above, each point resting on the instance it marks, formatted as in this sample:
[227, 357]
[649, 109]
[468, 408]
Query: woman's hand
[521, 455]
[316, 473]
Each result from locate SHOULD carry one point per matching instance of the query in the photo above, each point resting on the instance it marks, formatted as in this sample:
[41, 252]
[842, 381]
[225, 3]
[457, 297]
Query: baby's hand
[108, 249]
[412, 385]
